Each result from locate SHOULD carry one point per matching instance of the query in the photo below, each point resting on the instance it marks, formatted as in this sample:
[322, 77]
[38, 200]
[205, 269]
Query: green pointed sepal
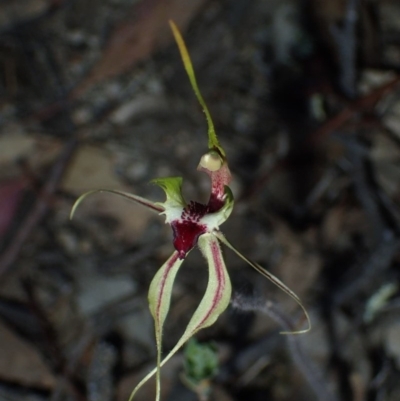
[155, 207]
[271, 278]
[213, 142]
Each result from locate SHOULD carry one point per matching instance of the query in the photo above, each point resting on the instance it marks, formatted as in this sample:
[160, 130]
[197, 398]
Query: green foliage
[201, 361]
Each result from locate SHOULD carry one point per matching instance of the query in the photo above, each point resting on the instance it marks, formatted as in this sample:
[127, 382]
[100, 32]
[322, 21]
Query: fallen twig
[38, 211]
[346, 42]
[361, 104]
[305, 365]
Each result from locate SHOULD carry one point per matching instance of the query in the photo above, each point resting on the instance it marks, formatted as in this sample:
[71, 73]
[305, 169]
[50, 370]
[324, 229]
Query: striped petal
[159, 302]
[270, 277]
[215, 301]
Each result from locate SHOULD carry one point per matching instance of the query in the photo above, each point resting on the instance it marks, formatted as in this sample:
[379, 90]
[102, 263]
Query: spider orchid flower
[194, 224]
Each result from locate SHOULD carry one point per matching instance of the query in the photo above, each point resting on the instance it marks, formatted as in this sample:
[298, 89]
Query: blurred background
[305, 97]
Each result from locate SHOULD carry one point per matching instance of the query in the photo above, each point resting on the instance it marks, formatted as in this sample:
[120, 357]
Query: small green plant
[201, 365]
[194, 224]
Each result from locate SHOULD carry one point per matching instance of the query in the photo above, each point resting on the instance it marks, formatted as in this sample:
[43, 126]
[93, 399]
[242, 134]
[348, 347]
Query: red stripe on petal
[170, 265]
[219, 269]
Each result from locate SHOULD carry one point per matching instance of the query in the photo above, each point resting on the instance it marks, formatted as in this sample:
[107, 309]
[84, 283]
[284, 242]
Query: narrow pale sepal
[155, 207]
[213, 142]
[215, 300]
[272, 278]
[173, 206]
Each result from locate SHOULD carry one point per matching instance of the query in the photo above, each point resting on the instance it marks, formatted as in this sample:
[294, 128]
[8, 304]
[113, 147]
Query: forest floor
[305, 97]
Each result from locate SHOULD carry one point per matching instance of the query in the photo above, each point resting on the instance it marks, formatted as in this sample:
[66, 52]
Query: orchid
[194, 224]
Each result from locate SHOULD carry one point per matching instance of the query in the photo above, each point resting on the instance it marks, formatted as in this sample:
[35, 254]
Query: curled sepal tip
[137, 199]
[215, 300]
[213, 142]
[273, 279]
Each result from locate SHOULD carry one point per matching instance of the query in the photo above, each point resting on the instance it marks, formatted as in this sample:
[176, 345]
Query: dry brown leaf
[135, 39]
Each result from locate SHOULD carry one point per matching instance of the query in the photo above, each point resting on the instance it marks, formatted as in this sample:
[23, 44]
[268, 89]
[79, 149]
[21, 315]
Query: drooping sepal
[272, 278]
[155, 207]
[215, 300]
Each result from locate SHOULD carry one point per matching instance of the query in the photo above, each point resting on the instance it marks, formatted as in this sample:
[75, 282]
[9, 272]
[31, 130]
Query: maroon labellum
[188, 228]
